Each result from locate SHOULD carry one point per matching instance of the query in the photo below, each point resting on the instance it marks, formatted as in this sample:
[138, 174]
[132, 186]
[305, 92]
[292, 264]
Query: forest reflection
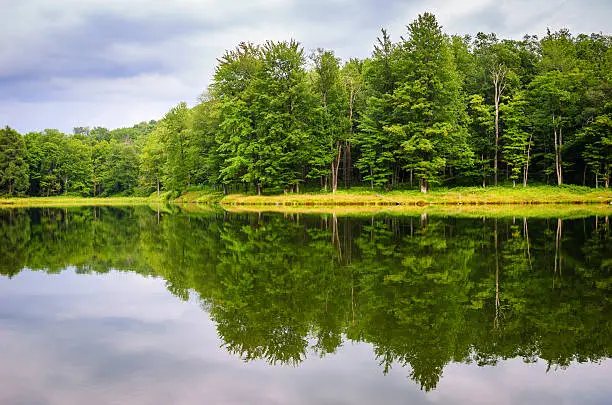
[424, 291]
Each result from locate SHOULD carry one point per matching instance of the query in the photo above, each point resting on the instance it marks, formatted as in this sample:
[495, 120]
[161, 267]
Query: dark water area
[134, 306]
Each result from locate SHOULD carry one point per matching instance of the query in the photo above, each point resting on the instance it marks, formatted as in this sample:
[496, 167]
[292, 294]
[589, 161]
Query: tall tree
[233, 87]
[352, 78]
[597, 137]
[281, 110]
[176, 136]
[14, 171]
[497, 62]
[428, 107]
[330, 133]
[556, 91]
[517, 137]
[377, 159]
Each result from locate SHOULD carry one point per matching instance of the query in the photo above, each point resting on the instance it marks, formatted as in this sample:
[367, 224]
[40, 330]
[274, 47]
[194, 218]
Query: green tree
[274, 152]
[555, 94]
[331, 125]
[597, 154]
[481, 125]
[428, 109]
[75, 169]
[232, 87]
[517, 137]
[14, 170]
[177, 139]
[152, 161]
[377, 161]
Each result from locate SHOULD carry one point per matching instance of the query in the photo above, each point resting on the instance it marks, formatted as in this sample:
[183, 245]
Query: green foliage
[428, 109]
[597, 138]
[429, 113]
[517, 134]
[14, 170]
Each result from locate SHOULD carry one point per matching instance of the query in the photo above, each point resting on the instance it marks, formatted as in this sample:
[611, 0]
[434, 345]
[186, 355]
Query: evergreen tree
[377, 159]
[428, 110]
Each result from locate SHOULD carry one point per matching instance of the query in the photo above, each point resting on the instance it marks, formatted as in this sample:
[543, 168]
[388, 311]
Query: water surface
[130, 305]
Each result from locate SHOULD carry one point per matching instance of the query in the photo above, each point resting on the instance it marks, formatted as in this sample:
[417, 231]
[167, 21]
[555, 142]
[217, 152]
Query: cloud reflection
[121, 338]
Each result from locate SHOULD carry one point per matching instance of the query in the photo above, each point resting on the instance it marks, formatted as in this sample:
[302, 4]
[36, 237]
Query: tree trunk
[499, 75]
[424, 185]
[335, 165]
[484, 174]
[496, 135]
[558, 140]
[334, 175]
[526, 170]
[347, 164]
[258, 189]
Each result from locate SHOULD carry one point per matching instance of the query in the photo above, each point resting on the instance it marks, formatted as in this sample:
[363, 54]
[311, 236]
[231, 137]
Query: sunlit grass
[455, 196]
[61, 201]
[358, 197]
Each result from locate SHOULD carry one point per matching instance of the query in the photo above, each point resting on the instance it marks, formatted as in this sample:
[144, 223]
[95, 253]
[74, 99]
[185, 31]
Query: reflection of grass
[455, 196]
[495, 211]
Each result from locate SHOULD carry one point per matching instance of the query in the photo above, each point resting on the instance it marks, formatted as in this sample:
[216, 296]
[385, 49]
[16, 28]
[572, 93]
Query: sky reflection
[122, 338]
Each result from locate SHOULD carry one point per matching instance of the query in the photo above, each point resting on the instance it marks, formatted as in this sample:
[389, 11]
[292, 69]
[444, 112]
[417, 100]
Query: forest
[426, 110]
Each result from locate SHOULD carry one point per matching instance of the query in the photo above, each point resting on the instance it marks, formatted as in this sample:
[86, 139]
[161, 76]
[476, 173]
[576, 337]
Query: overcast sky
[67, 63]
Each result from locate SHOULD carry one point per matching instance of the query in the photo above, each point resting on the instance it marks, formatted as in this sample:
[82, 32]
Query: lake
[106, 305]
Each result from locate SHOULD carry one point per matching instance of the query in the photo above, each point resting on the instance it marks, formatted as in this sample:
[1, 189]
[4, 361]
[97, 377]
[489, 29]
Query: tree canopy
[427, 110]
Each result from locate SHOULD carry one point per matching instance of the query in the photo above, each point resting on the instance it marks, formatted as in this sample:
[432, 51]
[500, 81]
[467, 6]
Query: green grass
[454, 196]
[60, 201]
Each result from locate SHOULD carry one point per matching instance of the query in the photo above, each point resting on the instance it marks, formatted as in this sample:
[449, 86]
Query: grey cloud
[66, 63]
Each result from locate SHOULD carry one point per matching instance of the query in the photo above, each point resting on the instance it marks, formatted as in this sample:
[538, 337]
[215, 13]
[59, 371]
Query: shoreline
[457, 198]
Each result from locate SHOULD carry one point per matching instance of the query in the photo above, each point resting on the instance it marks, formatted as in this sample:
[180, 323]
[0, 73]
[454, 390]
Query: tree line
[427, 110]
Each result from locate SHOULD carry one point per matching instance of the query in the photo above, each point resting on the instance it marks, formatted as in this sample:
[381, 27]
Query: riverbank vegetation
[424, 112]
[453, 196]
[505, 198]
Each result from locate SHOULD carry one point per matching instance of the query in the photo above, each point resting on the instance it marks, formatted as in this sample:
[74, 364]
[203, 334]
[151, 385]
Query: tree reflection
[424, 291]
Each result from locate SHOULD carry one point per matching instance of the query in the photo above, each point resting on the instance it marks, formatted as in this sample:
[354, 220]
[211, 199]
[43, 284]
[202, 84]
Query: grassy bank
[357, 197]
[455, 196]
[61, 201]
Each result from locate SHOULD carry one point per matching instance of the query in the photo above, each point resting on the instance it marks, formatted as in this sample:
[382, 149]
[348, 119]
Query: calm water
[133, 306]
